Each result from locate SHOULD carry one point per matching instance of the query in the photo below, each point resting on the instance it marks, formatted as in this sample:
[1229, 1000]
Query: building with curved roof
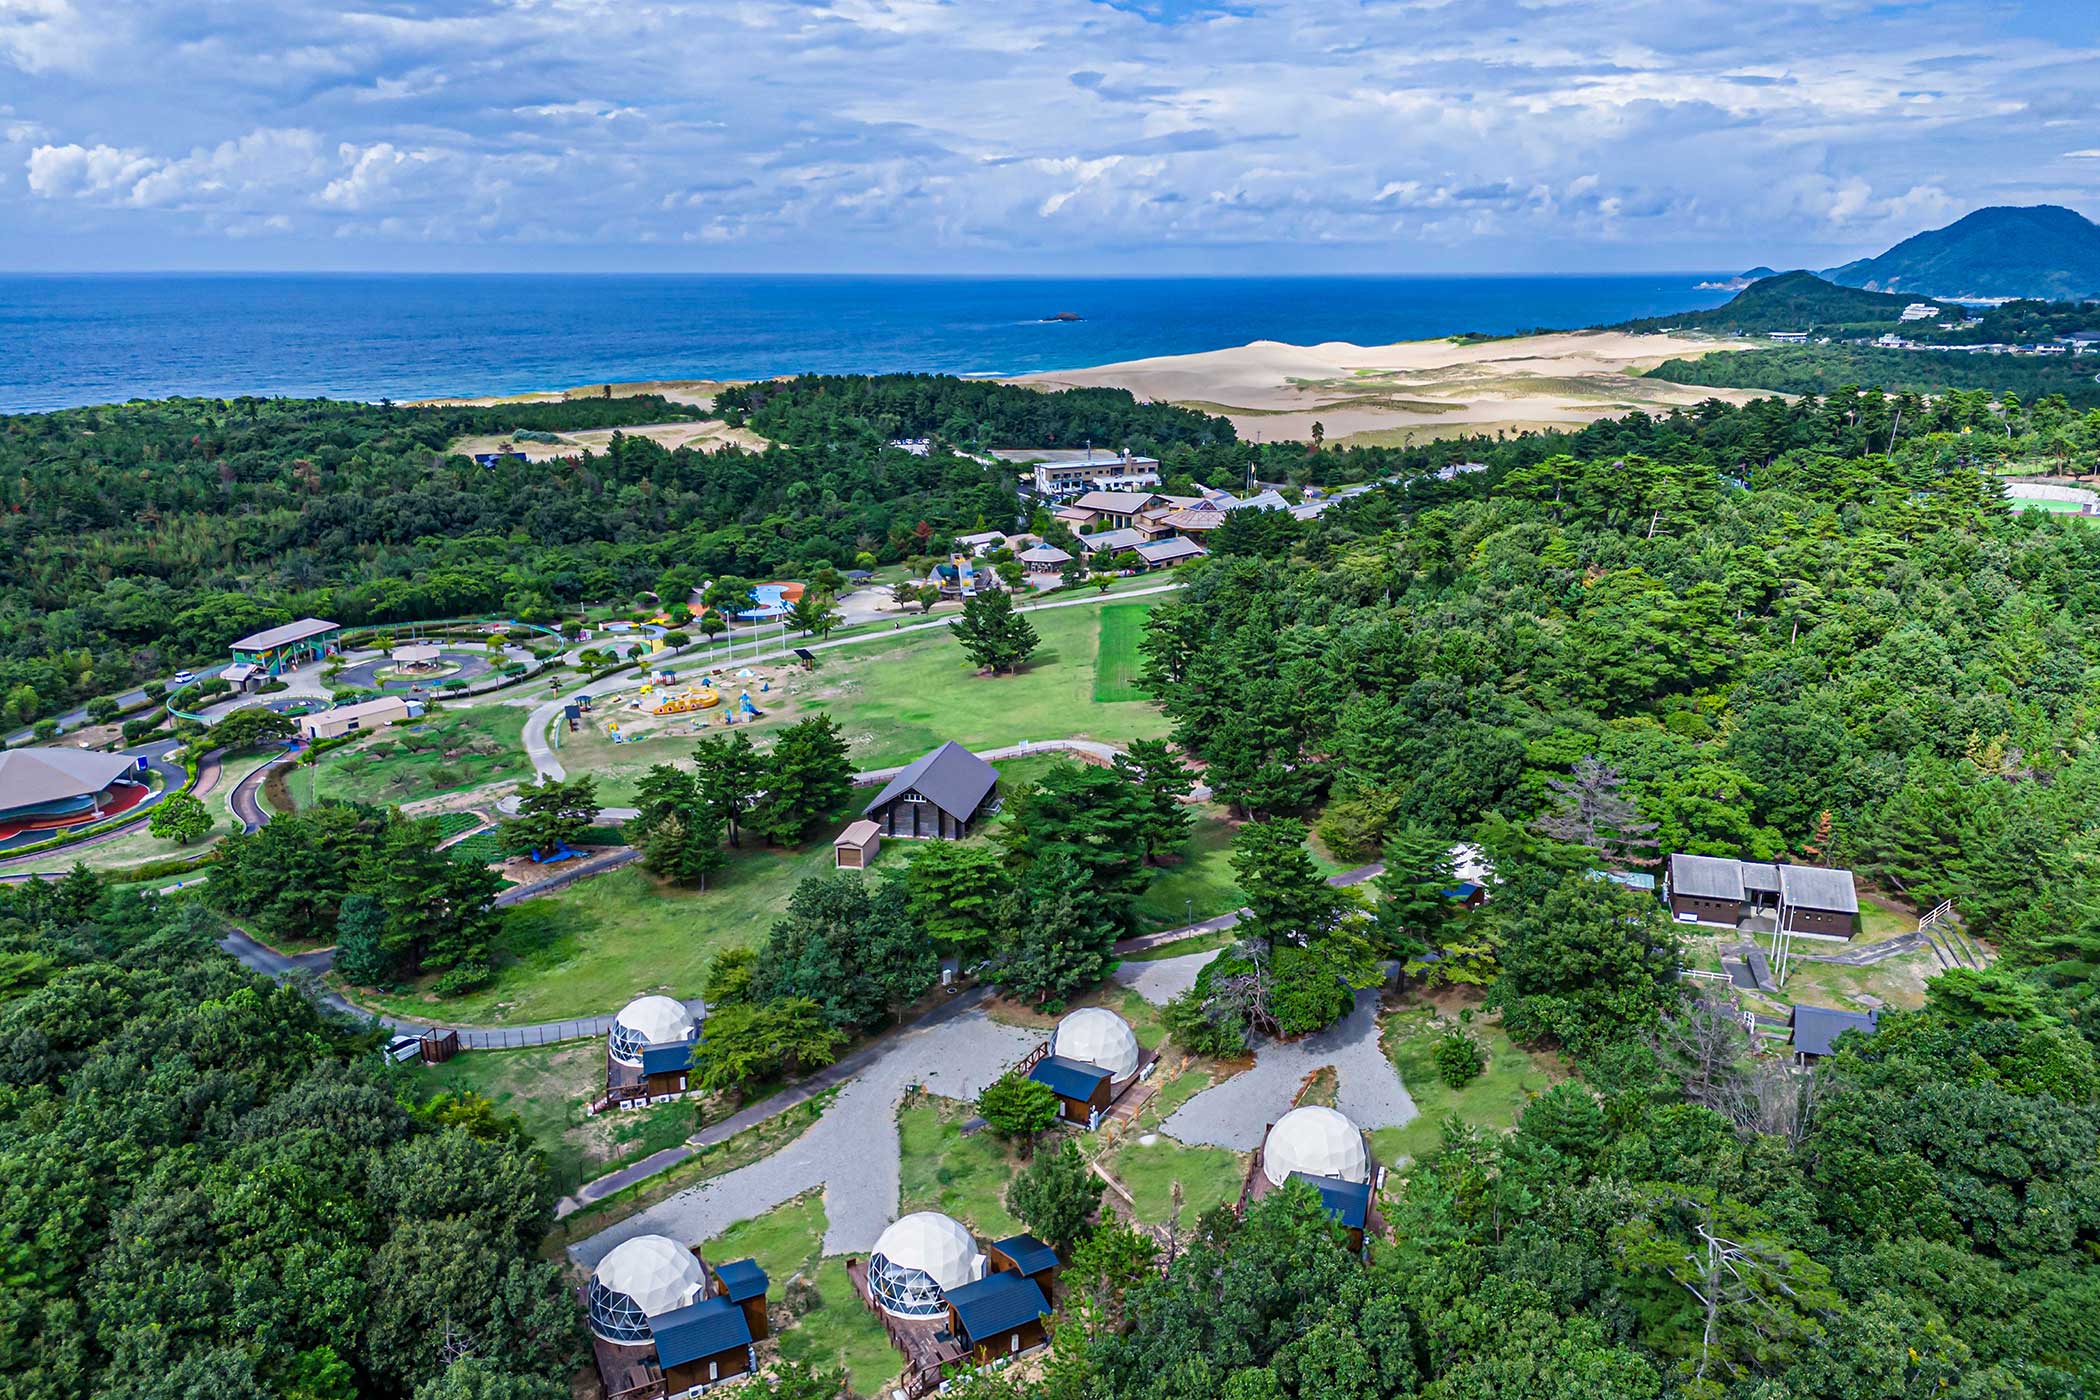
[1318, 1142]
[917, 1260]
[649, 1051]
[659, 1320]
[647, 1021]
[61, 787]
[1094, 1035]
[647, 1276]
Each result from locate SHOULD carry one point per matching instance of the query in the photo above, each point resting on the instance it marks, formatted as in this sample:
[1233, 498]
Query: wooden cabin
[1082, 1090]
[1027, 1256]
[999, 1315]
[942, 796]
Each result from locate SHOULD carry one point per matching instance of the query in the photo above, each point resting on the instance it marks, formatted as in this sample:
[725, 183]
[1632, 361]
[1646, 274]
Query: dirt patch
[705, 436]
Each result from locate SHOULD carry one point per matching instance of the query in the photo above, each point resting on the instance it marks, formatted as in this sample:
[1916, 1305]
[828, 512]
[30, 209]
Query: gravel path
[1233, 1113]
[1160, 980]
[852, 1152]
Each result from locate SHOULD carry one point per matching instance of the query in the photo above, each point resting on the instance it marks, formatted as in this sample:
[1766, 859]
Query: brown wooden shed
[857, 846]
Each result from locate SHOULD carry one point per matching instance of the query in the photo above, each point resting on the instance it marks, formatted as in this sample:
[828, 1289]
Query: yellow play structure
[688, 701]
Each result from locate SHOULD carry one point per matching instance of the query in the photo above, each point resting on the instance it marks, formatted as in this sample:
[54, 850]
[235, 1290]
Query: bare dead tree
[1590, 809]
[1248, 995]
[1705, 1045]
[1777, 1097]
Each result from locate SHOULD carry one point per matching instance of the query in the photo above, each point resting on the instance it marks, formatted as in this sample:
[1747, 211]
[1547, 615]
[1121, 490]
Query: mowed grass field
[896, 702]
[1119, 661]
[597, 945]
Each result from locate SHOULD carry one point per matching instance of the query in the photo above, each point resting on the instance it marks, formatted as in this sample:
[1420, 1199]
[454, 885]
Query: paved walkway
[852, 1153]
[1160, 980]
[714, 655]
[1232, 1114]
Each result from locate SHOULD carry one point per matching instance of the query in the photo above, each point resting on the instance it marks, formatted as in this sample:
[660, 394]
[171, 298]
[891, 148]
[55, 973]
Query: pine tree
[1162, 782]
[993, 635]
[1058, 941]
[806, 775]
[730, 776]
[1415, 906]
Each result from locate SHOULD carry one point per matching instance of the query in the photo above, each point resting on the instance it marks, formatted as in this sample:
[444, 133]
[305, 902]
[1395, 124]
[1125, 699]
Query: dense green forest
[1823, 649]
[965, 412]
[215, 1194]
[2039, 250]
[137, 537]
[1824, 369]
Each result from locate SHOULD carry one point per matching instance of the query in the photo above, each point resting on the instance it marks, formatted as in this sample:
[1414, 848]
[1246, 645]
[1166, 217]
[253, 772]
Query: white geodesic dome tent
[917, 1260]
[1097, 1036]
[648, 1021]
[1317, 1141]
[642, 1278]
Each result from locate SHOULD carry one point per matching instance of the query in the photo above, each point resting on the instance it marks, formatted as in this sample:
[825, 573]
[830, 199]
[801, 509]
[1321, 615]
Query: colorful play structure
[687, 701]
[773, 601]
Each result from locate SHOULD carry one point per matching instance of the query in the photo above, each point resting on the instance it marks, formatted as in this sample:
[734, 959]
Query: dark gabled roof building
[1000, 1314]
[1760, 897]
[1816, 1028]
[941, 796]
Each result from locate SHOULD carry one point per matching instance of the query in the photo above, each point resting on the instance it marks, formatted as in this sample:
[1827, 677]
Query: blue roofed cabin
[662, 1325]
[1089, 1060]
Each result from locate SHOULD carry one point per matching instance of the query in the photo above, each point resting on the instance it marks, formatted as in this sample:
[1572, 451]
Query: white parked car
[184, 677]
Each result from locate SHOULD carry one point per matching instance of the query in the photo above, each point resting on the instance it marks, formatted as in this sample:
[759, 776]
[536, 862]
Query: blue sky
[1140, 136]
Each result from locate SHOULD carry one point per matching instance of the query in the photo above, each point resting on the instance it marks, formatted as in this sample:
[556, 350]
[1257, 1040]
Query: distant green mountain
[2044, 251]
[1790, 301]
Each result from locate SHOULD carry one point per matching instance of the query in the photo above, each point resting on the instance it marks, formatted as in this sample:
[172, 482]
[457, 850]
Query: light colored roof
[858, 833]
[982, 537]
[417, 651]
[1706, 877]
[1194, 518]
[291, 632]
[1096, 1036]
[951, 778]
[1121, 502]
[30, 776]
[1760, 877]
[647, 1021]
[932, 1243]
[1267, 500]
[1162, 551]
[1043, 554]
[1816, 888]
[659, 1274]
[1125, 538]
[384, 705]
[1318, 1141]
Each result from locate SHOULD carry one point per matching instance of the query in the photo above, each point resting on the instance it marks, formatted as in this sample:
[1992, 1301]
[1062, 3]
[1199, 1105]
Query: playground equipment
[745, 701]
[688, 701]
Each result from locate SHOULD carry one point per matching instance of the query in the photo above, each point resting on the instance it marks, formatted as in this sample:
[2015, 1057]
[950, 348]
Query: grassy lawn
[1182, 947]
[1201, 883]
[1120, 663]
[445, 750]
[600, 943]
[547, 1087]
[1491, 1102]
[896, 702]
[789, 1240]
[1208, 1176]
[945, 1170]
[1898, 981]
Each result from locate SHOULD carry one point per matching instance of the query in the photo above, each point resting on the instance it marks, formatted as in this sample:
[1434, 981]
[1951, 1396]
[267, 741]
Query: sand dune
[1414, 389]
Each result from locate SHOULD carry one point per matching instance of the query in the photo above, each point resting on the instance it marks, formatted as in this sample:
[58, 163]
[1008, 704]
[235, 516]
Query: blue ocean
[69, 340]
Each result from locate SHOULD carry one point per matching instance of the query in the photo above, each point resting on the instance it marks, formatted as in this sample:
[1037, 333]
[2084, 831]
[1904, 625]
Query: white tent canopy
[1317, 1141]
[1096, 1036]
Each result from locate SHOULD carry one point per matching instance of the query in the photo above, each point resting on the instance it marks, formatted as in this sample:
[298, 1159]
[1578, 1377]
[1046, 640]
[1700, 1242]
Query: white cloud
[59, 171]
[887, 132]
[40, 36]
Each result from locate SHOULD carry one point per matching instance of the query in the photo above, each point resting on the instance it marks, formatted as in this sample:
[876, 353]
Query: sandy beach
[1414, 390]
